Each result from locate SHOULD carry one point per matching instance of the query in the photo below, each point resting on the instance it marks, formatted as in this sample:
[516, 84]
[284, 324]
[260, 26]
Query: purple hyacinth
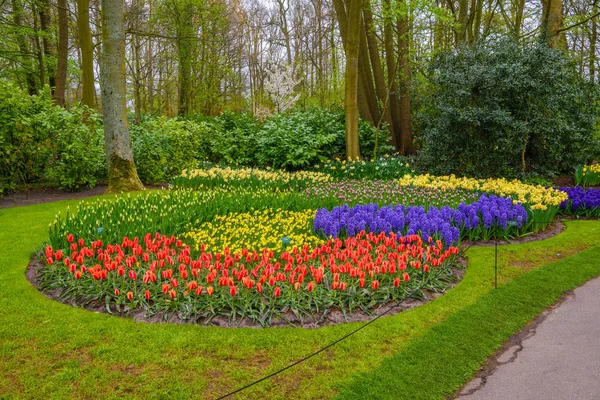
[489, 211]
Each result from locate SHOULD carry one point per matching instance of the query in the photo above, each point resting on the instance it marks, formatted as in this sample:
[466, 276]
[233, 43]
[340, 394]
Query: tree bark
[63, 53]
[593, 42]
[406, 133]
[122, 174]
[87, 56]
[552, 23]
[48, 42]
[351, 89]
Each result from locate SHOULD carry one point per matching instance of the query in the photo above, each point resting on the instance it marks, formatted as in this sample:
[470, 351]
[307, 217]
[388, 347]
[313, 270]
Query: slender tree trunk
[38, 49]
[48, 42]
[63, 50]
[351, 92]
[593, 42]
[381, 88]
[88, 95]
[26, 60]
[392, 73]
[519, 19]
[365, 83]
[122, 174]
[404, 89]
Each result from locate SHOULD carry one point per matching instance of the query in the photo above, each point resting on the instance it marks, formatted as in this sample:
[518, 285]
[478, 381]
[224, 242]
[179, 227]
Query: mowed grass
[50, 350]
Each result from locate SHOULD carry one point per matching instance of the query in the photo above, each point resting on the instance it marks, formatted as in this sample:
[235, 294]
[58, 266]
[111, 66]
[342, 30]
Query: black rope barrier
[353, 332]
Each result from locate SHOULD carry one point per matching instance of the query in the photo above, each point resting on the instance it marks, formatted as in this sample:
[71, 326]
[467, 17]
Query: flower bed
[585, 202]
[246, 177]
[489, 217]
[542, 203]
[268, 229]
[386, 167]
[159, 274]
[352, 192]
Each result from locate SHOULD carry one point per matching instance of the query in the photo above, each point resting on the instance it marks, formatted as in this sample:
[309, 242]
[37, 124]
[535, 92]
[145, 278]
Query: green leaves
[495, 102]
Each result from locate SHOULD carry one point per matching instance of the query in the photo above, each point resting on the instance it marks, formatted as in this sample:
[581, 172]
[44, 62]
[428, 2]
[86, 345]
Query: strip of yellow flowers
[275, 230]
[536, 196]
[230, 174]
[595, 168]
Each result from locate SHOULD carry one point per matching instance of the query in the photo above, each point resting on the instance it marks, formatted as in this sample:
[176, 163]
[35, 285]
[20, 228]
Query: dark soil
[48, 195]
[333, 317]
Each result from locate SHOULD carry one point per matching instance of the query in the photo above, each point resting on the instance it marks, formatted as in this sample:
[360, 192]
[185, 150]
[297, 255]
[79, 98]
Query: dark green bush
[497, 102]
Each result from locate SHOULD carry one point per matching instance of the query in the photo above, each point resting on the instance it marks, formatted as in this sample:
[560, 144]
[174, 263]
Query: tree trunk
[351, 92]
[122, 174]
[552, 23]
[26, 60]
[593, 42]
[380, 86]
[63, 53]
[48, 42]
[392, 73]
[404, 90]
[87, 55]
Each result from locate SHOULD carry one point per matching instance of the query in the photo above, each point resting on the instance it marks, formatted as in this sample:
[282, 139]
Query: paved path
[555, 359]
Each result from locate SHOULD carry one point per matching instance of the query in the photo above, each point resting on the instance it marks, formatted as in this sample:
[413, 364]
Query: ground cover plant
[66, 352]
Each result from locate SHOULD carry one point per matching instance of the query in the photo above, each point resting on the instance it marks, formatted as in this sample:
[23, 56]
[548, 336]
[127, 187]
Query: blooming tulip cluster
[160, 274]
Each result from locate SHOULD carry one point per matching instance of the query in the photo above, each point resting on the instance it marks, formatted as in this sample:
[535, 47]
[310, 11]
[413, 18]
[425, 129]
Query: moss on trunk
[122, 176]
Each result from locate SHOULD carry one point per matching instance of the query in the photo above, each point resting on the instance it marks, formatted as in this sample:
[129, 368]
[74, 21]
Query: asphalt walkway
[556, 357]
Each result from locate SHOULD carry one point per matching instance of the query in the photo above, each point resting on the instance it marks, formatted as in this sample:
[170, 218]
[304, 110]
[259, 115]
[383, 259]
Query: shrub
[500, 109]
[39, 140]
[163, 147]
[78, 153]
[306, 137]
[236, 139]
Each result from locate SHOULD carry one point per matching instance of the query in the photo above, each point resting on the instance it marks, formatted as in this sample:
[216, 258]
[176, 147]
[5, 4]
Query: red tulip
[277, 292]
[147, 295]
[210, 290]
[77, 274]
[132, 275]
[397, 282]
[49, 260]
[59, 255]
[117, 292]
[232, 290]
[165, 288]
[172, 293]
[375, 284]
[311, 286]
[406, 277]
[70, 238]
[130, 296]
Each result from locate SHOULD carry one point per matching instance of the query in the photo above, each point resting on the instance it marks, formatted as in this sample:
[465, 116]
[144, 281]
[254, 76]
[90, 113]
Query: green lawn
[50, 350]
